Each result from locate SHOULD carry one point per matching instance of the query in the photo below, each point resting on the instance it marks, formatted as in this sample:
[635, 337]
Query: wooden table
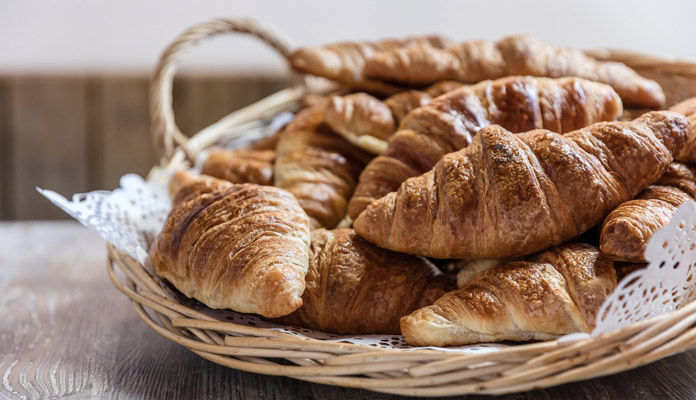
[65, 332]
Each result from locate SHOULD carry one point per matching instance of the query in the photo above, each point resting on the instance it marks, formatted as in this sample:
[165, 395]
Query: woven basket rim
[396, 371]
[427, 372]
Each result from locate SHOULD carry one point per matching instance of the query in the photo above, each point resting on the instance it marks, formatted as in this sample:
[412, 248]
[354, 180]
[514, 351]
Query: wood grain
[48, 142]
[213, 98]
[5, 155]
[94, 126]
[126, 145]
[269, 84]
[78, 133]
[67, 333]
[199, 101]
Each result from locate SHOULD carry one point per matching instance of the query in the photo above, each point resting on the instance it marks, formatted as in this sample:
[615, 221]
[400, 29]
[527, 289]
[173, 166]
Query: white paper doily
[665, 285]
[131, 216]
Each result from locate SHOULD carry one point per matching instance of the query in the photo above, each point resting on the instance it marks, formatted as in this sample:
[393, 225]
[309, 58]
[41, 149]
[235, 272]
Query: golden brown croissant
[363, 120]
[509, 195]
[477, 60]
[469, 269]
[403, 103]
[184, 184]
[344, 62]
[318, 167]
[688, 108]
[559, 292]
[241, 165]
[680, 176]
[368, 122]
[354, 287]
[627, 229]
[243, 247]
[448, 124]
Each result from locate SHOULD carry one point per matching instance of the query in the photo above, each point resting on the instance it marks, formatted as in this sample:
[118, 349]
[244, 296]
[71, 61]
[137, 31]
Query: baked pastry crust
[477, 60]
[559, 292]
[344, 62]
[510, 195]
[241, 165]
[184, 185]
[244, 247]
[318, 167]
[354, 287]
[627, 229]
[688, 108]
[450, 122]
[367, 122]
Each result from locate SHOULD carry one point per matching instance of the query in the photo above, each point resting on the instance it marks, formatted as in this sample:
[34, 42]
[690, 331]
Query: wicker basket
[415, 373]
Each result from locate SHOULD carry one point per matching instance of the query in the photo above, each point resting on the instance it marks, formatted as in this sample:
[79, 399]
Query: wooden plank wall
[79, 133]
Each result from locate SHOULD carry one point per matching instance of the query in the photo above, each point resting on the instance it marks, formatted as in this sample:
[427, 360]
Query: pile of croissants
[454, 193]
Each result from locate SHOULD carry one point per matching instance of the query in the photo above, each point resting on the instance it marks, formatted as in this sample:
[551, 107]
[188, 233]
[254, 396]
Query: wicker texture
[413, 373]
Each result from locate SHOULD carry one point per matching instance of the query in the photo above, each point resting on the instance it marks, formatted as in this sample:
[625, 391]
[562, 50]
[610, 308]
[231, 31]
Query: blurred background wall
[74, 73]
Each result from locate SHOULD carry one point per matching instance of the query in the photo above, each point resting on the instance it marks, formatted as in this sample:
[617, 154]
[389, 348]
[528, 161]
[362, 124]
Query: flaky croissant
[363, 120]
[241, 165]
[627, 229]
[477, 60]
[185, 185]
[318, 167]
[469, 269]
[344, 62]
[244, 247]
[354, 287]
[510, 195]
[368, 122]
[449, 122]
[688, 108]
[559, 292]
[404, 102]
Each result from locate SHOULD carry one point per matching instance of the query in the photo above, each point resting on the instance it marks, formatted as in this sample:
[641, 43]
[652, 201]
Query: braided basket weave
[415, 373]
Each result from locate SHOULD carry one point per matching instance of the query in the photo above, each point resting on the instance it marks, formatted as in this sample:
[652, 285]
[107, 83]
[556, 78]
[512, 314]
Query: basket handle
[166, 135]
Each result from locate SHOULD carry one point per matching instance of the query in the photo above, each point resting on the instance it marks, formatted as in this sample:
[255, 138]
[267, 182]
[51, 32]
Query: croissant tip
[358, 223]
[621, 240]
[408, 325]
[276, 312]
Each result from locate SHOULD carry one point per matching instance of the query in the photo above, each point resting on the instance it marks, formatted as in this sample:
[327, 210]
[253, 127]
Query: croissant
[241, 165]
[688, 108]
[318, 167]
[184, 185]
[344, 62]
[477, 60]
[627, 229]
[363, 120]
[448, 124]
[368, 122]
[354, 287]
[469, 269]
[510, 195]
[559, 292]
[244, 247]
[404, 102]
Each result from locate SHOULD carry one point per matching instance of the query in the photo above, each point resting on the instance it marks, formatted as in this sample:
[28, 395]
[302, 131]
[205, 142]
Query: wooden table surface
[65, 332]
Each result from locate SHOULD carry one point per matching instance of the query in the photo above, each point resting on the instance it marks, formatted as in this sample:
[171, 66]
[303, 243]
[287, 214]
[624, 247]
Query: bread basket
[414, 373]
